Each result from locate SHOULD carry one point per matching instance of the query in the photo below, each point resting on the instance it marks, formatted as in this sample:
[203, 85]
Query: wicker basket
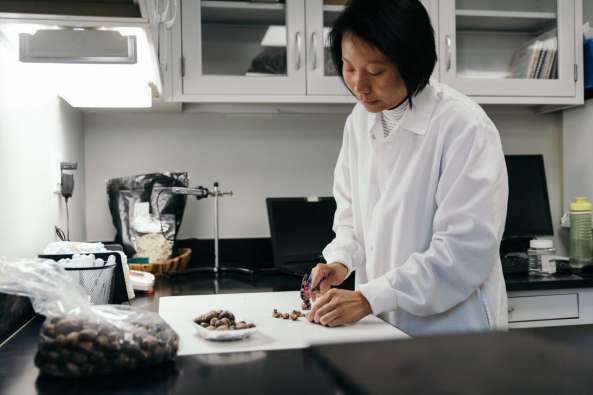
[159, 268]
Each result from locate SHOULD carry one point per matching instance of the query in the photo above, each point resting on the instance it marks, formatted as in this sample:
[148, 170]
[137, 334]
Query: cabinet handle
[314, 48]
[449, 54]
[511, 309]
[299, 50]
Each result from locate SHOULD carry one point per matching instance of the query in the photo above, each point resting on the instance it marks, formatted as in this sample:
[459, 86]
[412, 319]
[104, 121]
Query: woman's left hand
[339, 307]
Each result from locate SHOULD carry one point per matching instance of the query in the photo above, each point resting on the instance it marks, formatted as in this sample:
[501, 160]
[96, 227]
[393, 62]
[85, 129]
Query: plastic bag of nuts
[78, 339]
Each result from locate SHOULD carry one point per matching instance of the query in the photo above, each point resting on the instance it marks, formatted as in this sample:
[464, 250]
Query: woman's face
[374, 80]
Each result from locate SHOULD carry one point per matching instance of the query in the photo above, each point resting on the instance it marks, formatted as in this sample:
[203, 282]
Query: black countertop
[544, 360]
[542, 282]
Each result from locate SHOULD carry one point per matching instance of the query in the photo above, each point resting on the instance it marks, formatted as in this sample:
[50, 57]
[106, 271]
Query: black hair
[399, 29]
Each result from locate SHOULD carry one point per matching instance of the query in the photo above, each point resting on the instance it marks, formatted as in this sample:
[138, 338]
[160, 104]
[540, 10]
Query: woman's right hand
[326, 275]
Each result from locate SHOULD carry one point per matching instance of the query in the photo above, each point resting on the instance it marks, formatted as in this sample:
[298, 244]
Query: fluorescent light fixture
[77, 45]
[275, 37]
[96, 85]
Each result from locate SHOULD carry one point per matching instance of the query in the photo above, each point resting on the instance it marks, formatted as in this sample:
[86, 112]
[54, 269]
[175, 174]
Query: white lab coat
[420, 214]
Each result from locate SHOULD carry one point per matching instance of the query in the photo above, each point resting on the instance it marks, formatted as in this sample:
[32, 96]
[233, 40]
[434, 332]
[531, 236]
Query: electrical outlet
[67, 170]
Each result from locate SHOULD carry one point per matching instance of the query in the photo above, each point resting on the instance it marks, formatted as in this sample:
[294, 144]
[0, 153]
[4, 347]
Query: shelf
[243, 13]
[505, 21]
[333, 8]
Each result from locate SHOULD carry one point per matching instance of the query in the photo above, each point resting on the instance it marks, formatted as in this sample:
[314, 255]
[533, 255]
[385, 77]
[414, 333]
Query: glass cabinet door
[322, 77]
[243, 47]
[508, 47]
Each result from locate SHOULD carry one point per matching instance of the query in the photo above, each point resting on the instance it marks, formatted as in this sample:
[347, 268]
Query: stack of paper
[538, 58]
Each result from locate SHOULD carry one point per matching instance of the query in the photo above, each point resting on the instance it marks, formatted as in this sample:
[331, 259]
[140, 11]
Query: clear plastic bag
[78, 339]
[152, 236]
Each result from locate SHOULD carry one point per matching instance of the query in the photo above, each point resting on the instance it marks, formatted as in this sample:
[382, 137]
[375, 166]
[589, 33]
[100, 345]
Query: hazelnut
[223, 321]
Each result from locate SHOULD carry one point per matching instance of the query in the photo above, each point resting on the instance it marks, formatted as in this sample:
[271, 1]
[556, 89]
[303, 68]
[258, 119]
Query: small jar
[540, 253]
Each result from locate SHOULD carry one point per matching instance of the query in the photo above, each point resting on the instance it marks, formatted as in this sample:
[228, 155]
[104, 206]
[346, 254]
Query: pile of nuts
[221, 320]
[76, 347]
[295, 315]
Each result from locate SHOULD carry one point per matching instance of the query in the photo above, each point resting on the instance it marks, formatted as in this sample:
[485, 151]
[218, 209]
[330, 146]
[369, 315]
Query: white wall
[523, 132]
[256, 156]
[588, 11]
[578, 148]
[37, 129]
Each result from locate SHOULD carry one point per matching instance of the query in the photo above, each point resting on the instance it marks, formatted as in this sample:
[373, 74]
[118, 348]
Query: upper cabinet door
[322, 77]
[240, 47]
[508, 48]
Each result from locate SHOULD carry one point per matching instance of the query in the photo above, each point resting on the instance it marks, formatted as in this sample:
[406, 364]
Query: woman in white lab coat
[420, 186]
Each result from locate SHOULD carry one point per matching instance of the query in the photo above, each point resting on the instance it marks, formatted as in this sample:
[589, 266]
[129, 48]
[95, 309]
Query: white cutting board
[272, 333]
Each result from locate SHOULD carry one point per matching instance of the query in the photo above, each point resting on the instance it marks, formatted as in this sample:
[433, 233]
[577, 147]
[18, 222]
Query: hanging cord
[161, 17]
[67, 220]
[59, 232]
[169, 23]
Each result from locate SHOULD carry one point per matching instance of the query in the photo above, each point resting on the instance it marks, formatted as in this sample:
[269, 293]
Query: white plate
[230, 335]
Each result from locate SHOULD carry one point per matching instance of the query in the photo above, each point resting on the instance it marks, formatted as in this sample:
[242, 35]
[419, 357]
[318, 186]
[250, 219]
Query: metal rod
[216, 234]
[216, 193]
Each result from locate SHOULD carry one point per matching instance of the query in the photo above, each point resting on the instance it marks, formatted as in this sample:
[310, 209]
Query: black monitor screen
[300, 228]
[528, 212]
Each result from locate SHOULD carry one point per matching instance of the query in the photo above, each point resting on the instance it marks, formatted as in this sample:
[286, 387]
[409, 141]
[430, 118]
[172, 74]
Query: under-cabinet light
[95, 85]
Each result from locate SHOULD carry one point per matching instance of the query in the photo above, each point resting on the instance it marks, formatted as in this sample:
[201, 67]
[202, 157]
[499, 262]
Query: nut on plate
[221, 320]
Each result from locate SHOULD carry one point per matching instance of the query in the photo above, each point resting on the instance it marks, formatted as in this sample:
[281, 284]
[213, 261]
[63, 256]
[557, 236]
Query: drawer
[543, 307]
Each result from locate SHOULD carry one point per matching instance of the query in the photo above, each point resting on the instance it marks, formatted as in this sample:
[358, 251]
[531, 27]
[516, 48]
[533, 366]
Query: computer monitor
[300, 227]
[528, 212]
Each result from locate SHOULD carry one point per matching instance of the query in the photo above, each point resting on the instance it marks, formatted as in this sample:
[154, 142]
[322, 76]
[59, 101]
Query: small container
[539, 254]
[581, 236]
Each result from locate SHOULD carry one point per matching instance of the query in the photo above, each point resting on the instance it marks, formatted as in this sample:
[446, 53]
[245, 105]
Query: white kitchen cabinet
[512, 52]
[216, 45]
[540, 308]
[485, 47]
[243, 48]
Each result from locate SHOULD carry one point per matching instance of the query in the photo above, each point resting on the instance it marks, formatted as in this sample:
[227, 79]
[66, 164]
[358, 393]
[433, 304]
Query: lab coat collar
[417, 118]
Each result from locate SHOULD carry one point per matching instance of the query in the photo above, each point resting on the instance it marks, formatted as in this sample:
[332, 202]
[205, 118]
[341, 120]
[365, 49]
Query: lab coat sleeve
[471, 200]
[344, 248]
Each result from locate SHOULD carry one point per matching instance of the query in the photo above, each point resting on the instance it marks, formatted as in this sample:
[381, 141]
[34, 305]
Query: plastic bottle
[581, 238]
[538, 250]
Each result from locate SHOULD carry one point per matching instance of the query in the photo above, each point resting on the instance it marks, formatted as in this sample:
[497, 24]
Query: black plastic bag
[269, 61]
[124, 192]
